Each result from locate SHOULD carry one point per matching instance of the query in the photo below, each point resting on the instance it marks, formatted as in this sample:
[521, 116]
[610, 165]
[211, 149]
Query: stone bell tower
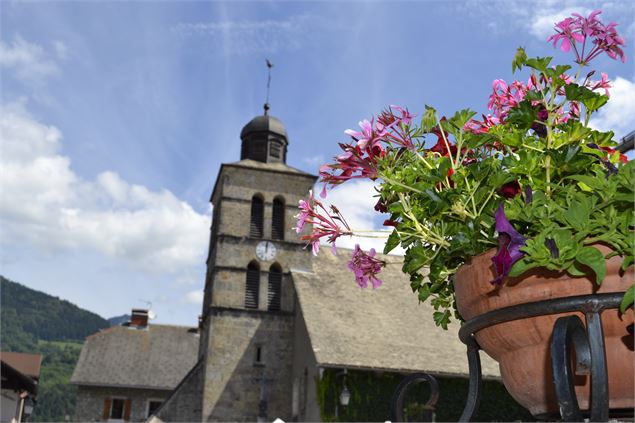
[248, 308]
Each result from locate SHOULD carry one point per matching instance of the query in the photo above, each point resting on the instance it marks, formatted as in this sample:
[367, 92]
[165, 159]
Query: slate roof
[157, 357]
[385, 328]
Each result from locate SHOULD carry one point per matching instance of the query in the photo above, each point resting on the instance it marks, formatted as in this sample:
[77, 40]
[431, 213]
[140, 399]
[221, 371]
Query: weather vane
[269, 66]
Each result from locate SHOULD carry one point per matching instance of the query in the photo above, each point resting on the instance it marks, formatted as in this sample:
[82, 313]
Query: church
[282, 333]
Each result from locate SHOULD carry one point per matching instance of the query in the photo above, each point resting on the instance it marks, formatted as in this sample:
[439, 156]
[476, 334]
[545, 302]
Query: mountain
[28, 315]
[117, 320]
[34, 322]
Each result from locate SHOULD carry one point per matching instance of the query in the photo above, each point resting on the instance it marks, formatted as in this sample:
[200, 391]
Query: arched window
[277, 219]
[252, 285]
[275, 287]
[257, 211]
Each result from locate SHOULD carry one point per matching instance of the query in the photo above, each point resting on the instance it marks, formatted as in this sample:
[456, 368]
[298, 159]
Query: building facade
[124, 373]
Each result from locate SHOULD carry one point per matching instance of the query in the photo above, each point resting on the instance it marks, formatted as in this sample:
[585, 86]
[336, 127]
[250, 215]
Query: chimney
[139, 318]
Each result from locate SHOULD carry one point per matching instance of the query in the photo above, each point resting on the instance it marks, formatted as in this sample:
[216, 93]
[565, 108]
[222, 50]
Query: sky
[115, 118]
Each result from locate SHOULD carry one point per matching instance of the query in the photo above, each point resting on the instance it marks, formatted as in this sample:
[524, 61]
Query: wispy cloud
[30, 62]
[247, 37]
[48, 206]
[614, 115]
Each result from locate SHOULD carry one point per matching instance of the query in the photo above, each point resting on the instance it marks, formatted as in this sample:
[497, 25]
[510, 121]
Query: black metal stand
[569, 336]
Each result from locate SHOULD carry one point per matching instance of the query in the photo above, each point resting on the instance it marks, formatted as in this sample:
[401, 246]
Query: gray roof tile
[157, 357]
[385, 328]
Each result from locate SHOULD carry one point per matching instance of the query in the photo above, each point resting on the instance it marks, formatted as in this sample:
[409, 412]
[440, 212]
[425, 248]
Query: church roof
[275, 167]
[384, 328]
[264, 123]
[154, 357]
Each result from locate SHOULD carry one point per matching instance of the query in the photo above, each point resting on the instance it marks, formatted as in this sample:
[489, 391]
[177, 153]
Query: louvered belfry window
[275, 288]
[277, 219]
[252, 286]
[257, 212]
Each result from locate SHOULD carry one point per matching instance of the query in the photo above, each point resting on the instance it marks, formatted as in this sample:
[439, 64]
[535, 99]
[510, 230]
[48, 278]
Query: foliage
[371, 394]
[44, 317]
[533, 179]
[37, 323]
[56, 396]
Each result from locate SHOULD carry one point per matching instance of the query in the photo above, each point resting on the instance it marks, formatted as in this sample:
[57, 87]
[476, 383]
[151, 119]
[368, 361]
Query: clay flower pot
[521, 347]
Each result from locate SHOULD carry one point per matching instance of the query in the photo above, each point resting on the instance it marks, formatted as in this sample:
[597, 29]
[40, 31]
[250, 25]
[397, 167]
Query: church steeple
[264, 139]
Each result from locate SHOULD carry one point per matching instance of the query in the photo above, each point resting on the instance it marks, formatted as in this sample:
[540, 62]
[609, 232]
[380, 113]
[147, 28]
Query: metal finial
[269, 66]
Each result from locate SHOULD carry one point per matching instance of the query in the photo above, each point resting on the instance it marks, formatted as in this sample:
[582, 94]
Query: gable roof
[156, 357]
[27, 364]
[384, 329]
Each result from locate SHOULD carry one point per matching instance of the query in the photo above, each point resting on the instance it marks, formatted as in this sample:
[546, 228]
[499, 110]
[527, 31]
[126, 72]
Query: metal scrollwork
[397, 403]
[569, 335]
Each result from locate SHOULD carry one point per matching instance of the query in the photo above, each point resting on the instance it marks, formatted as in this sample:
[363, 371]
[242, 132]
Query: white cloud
[356, 201]
[194, 297]
[248, 37]
[542, 23]
[314, 161]
[30, 62]
[45, 204]
[617, 114]
[539, 16]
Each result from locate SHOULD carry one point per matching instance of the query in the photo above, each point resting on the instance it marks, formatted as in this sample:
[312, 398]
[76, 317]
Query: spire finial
[269, 66]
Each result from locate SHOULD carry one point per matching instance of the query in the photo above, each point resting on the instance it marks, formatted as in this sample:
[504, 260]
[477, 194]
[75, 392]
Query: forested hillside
[34, 322]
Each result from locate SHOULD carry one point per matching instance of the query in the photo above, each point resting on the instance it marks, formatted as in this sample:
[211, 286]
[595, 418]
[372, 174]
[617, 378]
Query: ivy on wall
[371, 394]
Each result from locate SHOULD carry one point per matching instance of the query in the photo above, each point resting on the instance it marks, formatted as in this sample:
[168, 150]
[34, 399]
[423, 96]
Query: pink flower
[366, 267]
[481, 127]
[504, 97]
[353, 163]
[371, 133]
[574, 31]
[325, 223]
[397, 131]
[604, 83]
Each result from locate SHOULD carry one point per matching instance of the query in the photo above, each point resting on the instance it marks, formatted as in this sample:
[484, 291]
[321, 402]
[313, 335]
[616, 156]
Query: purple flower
[366, 267]
[509, 243]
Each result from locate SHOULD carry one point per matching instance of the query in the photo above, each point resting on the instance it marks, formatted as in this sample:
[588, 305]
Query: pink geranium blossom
[576, 32]
[325, 223]
[366, 267]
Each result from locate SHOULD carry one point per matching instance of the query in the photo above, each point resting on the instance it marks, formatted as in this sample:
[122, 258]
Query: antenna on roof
[269, 66]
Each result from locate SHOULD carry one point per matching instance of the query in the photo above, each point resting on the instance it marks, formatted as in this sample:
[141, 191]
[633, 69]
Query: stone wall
[185, 403]
[89, 406]
[233, 376]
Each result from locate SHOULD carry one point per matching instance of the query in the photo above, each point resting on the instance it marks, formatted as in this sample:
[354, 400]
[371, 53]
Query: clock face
[266, 251]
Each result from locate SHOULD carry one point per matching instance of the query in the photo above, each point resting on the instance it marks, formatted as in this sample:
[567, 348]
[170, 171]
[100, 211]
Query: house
[125, 372]
[20, 377]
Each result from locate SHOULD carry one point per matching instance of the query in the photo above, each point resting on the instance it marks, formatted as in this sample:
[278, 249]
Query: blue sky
[117, 115]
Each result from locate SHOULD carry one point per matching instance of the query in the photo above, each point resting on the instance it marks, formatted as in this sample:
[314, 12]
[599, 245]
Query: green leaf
[539, 63]
[593, 258]
[429, 118]
[392, 242]
[521, 266]
[519, 59]
[627, 300]
[442, 318]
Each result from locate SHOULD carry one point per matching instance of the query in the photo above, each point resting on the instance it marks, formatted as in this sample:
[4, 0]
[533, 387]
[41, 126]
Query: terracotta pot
[521, 347]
